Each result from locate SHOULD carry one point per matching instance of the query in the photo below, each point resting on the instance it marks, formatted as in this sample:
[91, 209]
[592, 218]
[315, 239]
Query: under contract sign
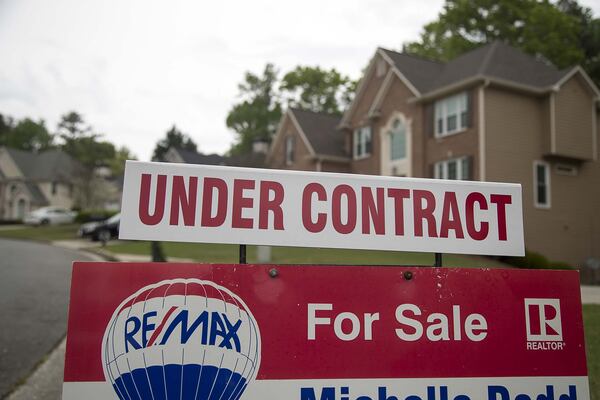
[214, 204]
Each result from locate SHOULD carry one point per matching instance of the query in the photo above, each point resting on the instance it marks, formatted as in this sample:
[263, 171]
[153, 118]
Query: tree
[318, 90]
[6, 125]
[256, 116]
[29, 135]
[589, 36]
[81, 143]
[173, 138]
[117, 164]
[537, 27]
[72, 125]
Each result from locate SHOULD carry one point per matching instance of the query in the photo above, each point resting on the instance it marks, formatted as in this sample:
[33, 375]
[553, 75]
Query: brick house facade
[493, 114]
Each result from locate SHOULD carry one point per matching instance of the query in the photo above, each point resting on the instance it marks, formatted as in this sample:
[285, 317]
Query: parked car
[103, 230]
[50, 216]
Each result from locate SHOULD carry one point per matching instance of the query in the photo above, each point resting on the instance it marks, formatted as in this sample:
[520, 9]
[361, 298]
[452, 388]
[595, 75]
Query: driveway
[34, 297]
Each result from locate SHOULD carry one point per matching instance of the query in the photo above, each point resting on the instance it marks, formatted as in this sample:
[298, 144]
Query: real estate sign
[192, 331]
[213, 204]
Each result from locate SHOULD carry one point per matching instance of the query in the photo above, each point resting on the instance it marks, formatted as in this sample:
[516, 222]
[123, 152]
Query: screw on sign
[181, 339]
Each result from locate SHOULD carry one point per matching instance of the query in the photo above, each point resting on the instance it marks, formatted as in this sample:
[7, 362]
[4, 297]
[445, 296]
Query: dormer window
[362, 142]
[451, 115]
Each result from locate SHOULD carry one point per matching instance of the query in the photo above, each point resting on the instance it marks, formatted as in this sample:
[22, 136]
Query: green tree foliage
[256, 116]
[72, 125]
[173, 138]
[25, 135]
[537, 27]
[6, 125]
[117, 164]
[316, 89]
[589, 36]
[82, 144]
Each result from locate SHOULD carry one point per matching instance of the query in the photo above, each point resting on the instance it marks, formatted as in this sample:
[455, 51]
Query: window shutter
[470, 111]
[369, 141]
[429, 119]
[431, 170]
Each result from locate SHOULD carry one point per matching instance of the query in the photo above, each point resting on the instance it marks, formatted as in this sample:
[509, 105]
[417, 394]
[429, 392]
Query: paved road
[34, 291]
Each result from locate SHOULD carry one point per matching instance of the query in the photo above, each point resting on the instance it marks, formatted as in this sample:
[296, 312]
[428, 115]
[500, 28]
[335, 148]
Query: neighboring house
[255, 159]
[32, 180]
[493, 114]
[309, 141]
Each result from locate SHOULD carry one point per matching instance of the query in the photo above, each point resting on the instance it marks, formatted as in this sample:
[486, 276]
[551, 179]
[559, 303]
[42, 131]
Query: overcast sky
[135, 67]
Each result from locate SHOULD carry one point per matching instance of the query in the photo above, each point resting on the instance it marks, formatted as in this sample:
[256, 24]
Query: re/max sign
[253, 206]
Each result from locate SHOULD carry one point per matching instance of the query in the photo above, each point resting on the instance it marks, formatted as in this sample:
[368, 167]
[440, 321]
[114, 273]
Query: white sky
[135, 67]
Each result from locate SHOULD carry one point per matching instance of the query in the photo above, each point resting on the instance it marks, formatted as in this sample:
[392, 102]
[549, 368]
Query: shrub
[532, 260]
[93, 215]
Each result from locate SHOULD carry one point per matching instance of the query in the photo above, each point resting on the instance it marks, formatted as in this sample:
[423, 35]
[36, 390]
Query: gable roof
[321, 131]
[496, 61]
[50, 165]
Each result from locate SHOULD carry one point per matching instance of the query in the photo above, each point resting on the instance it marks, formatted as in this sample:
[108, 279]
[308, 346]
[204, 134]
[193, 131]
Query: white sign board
[214, 204]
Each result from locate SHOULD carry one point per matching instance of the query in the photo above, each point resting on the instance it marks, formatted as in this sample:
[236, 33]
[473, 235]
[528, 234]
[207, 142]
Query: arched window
[398, 140]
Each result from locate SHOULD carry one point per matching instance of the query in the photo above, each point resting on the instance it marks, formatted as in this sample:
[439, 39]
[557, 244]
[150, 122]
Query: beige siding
[62, 197]
[515, 133]
[573, 120]
[7, 166]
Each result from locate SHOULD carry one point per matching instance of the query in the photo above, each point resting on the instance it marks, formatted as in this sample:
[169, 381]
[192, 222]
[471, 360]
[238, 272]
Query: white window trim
[355, 138]
[444, 164]
[443, 103]
[391, 135]
[536, 203]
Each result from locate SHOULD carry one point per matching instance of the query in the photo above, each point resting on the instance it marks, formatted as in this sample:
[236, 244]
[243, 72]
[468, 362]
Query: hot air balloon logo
[181, 339]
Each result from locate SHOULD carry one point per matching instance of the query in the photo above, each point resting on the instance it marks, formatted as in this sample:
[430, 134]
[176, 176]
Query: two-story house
[32, 180]
[492, 114]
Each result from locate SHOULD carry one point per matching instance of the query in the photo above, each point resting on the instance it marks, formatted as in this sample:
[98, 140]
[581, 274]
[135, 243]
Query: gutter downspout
[482, 133]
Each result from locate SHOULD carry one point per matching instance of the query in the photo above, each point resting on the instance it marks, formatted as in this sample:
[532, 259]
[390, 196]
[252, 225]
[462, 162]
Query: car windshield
[114, 218]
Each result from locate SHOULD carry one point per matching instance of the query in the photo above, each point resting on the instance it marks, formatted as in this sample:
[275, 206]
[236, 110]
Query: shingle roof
[193, 157]
[320, 130]
[36, 194]
[419, 71]
[49, 165]
[494, 60]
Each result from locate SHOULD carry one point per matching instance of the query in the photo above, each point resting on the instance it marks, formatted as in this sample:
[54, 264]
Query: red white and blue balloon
[181, 339]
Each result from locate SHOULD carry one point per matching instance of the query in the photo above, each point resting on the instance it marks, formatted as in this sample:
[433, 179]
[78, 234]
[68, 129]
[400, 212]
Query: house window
[457, 168]
[289, 150]
[54, 186]
[451, 115]
[362, 142]
[541, 178]
[398, 141]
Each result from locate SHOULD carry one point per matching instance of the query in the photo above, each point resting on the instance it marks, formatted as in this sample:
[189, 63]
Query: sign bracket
[242, 254]
[438, 260]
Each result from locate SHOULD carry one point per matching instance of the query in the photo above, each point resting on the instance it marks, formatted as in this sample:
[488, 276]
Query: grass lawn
[591, 322]
[46, 233]
[221, 253]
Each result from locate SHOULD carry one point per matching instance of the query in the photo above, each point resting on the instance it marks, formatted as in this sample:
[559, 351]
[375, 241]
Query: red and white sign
[212, 204]
[193, 331]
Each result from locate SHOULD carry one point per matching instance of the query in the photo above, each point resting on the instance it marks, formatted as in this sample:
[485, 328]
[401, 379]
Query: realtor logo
[542, 317]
